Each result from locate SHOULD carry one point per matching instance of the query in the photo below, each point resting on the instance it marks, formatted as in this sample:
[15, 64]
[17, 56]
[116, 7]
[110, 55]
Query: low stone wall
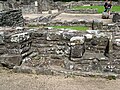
[94, 3]
[47, 21]
[95, 23]
[116, 17]
[11, 18]
[29, 9]
[82, 11]
[44, 50]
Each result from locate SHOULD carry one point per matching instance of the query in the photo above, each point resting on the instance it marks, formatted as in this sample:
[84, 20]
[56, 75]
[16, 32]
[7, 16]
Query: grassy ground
[71, 27]
[100, 8]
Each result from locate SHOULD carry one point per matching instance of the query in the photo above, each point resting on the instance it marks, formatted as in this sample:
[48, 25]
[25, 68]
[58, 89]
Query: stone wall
[45, 49]
[29, 9]
[82, 11]
[48, 21]
[14, 47]
[11, 18]
[96, 24]
[116, 17]
[94, 3]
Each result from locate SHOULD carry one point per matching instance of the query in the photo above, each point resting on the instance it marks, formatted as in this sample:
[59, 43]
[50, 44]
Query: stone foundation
[116, 17]
[82, 11]
[11, 18]
[49, 51]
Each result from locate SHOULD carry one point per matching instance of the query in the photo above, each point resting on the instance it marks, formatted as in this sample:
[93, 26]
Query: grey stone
[22, 69]
[116, 17]
[77, 51]
[10, 60]
[54, 36]
[11, 18]
[105, 15]
[17, 38]
[1, 37]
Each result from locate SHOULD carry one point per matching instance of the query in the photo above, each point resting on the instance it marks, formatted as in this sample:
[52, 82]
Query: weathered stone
[54, 36]
[3, 50]
[21, 37]
[77, 40]
[83, 11]
[77, 51]
[22, 69]
[69, 34]
[1, 37]
[10, 60]
[105, 15]
[116, 17]
[11, 18]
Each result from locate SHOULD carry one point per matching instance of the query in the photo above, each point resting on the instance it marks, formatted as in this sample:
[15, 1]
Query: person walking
[109, 7]
[106, 6]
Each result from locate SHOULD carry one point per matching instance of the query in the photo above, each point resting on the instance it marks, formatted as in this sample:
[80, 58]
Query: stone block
[77, 51]
[54, 36]
[22, 69]
[3, 50]
[77, 40]
[21, 37]
[67, 35]
[116, 17]
[1, 37]
[105, 15]
[10, 60]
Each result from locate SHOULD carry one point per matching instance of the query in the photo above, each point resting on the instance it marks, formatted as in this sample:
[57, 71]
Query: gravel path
[13, 81]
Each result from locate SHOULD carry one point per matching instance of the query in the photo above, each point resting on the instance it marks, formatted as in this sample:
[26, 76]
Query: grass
[32, 25]
[100, 8]
[71, 27]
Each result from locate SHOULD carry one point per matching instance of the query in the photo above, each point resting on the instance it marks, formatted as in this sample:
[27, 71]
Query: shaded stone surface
[11, 18]
[116, 17]
[10, 60]
[105, 15]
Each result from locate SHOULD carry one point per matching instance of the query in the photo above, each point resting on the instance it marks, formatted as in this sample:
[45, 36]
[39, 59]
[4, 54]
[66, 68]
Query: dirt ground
[14, 81]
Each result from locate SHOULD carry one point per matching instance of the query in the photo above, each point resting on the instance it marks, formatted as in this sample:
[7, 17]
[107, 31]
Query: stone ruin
[9, 16]
[55, 51]
[51, 51]
[116, 17]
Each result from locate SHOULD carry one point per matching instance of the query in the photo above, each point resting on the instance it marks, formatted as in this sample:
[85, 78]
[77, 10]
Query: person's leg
[109, 11]
[105, 10]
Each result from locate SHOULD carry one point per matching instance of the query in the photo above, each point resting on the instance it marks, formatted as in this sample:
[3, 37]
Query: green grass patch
[111, 77]
[99, 8]
[71, 27]
[32, 25]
